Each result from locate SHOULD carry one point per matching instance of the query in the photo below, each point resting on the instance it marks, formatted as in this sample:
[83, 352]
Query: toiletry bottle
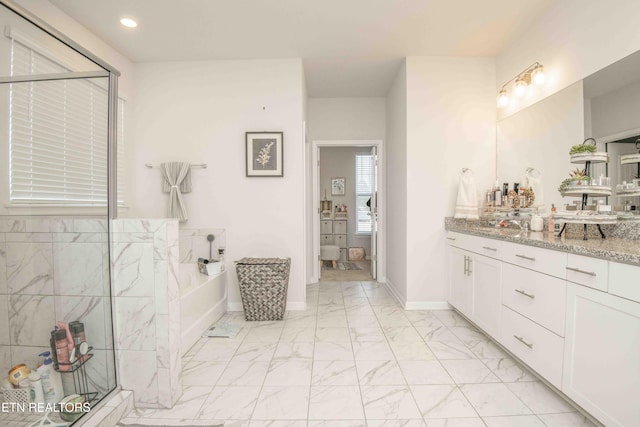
[550, 222]
[221, 258]
[51, 380]
[61, 348]
[497, 195]
[79, 339]
[35, 387]
[505, 190]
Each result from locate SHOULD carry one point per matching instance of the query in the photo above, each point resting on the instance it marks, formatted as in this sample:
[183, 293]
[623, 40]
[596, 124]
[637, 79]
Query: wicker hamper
[263, 287]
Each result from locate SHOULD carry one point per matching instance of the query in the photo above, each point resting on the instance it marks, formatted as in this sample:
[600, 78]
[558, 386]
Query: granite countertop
[612, 248]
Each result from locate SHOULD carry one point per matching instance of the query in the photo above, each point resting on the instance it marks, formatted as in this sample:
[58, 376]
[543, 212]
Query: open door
[374, 213]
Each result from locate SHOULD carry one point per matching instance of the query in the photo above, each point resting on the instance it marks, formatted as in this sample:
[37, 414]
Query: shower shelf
[80, 380]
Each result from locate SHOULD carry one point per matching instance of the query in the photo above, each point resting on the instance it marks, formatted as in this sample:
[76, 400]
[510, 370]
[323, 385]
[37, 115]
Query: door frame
[314, 267]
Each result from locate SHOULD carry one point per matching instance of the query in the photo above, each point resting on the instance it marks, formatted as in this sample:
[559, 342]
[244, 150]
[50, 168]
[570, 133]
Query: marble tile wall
[147, 310]
[55, 269]
[194, 244]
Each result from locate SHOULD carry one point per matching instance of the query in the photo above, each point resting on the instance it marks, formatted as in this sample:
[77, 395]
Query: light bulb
[537, 75]
[520, 87]
[129, 22]
[503, 98]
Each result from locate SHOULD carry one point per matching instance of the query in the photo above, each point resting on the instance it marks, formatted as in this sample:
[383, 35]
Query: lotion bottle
[51, 380]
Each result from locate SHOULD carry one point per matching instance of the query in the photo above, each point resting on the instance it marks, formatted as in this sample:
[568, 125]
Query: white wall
[341, 162]
[346, 118]
[572, 40]
[199, 112]
[451, 118]
[396, 184]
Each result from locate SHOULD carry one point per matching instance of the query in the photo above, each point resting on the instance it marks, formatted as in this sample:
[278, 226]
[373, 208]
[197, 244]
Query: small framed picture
[337, 186]
[264, 154]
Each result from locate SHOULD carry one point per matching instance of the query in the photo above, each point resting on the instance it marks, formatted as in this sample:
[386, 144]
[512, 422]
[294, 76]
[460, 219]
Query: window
[58, 135]
[365, 186]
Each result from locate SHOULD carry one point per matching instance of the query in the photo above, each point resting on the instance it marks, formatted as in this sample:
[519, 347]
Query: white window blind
[58, 135]
[364, 191]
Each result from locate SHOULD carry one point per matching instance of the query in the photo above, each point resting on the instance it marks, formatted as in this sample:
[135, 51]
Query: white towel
[533, 180]
[174, 174]
[467, 204]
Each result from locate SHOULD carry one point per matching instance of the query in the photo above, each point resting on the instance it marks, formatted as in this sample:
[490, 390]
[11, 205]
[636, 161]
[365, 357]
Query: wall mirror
[605, 106]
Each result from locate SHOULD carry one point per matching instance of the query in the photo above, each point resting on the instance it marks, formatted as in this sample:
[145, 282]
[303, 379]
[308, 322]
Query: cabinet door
[340, 240]
[486, 274]
[326, 227]
[602, 355]
[326, 239]
[460, 281]
[339, 227]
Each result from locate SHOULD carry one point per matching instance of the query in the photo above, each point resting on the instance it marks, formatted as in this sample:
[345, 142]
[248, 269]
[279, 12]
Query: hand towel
[467, 204]
[174, 175]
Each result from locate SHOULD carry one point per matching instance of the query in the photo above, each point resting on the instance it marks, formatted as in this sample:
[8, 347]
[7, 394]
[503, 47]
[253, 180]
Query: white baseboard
[292, 305]
[416, 305]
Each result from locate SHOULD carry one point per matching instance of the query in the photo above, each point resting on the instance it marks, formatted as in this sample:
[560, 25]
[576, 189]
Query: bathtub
[203, 300]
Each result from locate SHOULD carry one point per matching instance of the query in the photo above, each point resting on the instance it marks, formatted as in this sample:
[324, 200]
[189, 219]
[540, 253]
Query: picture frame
[264, 154]
[338, 186]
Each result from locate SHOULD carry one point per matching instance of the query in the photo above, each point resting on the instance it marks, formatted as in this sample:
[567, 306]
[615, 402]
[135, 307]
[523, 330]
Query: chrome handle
[577, 270]
[523, 341]
[451, 238]
[469, 270]
[489, 249]
[466, 268]
[532, 296]
[525, 257]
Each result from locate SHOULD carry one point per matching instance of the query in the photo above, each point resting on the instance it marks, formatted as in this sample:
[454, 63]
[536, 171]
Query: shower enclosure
[58, 131]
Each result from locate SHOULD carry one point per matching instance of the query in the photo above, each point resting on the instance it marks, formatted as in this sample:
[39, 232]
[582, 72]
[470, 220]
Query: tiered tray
[572, 218]
[590, 190]
[599, 157]
[629, 159]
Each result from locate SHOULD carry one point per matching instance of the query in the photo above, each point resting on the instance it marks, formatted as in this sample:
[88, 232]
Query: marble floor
[355, 358]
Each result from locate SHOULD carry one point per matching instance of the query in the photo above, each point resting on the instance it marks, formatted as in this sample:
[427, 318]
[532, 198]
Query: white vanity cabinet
[573, 319]
[602, 355]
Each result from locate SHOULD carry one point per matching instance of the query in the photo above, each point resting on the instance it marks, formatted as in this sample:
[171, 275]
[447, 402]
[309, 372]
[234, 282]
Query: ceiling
[349, 47]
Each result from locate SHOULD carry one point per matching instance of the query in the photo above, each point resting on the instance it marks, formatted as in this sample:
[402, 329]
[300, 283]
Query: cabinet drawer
[340, 240]
[326, 239]
[537, 296]
[343, 255]
[326, 227]
[546, 261]
[587, 271]
[484, 246]
[339, 227]
[457, 239]
[624, 281]
[538, 347]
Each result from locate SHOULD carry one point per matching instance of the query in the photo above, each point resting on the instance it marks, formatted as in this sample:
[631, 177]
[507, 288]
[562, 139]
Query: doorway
[347, 211]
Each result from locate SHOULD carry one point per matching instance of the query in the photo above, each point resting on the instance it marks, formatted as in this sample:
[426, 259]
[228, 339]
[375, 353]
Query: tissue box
[210, 269]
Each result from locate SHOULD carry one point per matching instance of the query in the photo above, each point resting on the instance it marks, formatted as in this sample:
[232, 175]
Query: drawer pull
[489, 248]
[532, 296]
[451, 238]
[523, 341]
[525, 257]
[577, 270]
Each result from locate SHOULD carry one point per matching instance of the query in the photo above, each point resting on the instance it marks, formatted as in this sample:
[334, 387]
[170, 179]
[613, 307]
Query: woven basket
[18, 395]
[263, 287]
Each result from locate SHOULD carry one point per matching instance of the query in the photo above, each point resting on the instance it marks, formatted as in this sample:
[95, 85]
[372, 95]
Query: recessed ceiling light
[129, 22]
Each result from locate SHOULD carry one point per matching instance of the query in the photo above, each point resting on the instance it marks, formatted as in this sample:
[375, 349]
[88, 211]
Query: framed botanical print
[264, 154]
[338, 186]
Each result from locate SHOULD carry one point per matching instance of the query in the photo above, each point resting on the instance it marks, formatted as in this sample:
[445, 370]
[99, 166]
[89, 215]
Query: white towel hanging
[467, 202]
[174, 175]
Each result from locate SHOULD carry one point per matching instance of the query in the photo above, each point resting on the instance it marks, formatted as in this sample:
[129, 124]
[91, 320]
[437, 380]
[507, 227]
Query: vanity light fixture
[533, 73]
[129, 22]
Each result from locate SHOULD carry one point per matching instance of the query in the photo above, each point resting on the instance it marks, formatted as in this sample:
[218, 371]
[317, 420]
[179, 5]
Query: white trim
[617, 136]
[393, 291]
[315, 147]
[234, 306]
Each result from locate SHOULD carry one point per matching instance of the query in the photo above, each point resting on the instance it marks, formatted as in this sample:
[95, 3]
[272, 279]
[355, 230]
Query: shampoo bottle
[51, 380]
[550, 223]
[35, 387]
